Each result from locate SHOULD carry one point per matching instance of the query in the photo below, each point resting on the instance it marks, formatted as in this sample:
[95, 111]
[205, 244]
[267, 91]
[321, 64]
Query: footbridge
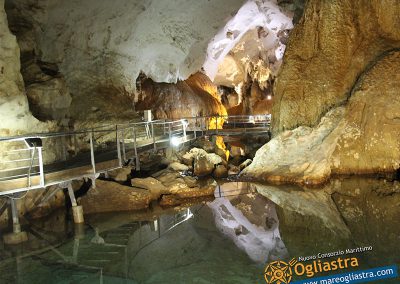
[43, 159]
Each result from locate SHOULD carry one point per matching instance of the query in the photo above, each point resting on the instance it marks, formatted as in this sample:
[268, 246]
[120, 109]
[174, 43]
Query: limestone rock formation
[360, 138]
[220, 172]
[15, 115]
[111, 196]
[334, 42]
[370, 141]
[99, 41]
[301, 155]
[196, 96]
[49, 100]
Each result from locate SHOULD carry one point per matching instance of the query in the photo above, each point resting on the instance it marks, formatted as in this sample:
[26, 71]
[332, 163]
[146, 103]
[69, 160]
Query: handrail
[120, 126]
[104, 144]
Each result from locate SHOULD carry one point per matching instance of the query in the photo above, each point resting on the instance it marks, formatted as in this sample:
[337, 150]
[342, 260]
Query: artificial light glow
[269, 97]
[175, 141]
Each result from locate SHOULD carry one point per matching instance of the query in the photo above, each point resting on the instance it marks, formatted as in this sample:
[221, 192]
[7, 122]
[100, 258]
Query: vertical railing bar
[118, 146]
[75, 145]
[123, 145]
[195, 128]
[169, 134]
[92, 160]
[216, 124]
[41, 170]
[184, 129]
[154, 137]
[137, 160]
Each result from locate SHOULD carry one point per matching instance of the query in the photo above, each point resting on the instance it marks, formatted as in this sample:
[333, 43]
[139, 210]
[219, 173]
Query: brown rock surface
[370, 142]
[194, 97]
[111, 196]
[328, 49]
[220, 171]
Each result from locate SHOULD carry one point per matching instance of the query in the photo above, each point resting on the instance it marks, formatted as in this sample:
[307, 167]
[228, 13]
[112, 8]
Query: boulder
[166, 176]
[202, 166]
[206, 145]
[187, 159]
[120, 174]
[220, 172]
[236, 151]
[155, 187]
[178, 167]
[245, 164]
[233, 170]
[111, 196]
[220, 152]
[181, 192]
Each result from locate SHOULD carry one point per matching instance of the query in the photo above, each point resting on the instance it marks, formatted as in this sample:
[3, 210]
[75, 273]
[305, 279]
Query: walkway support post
[77, 210]
[17, 236]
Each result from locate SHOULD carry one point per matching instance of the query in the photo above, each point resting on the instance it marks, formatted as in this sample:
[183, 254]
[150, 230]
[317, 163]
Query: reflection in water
[226, 240]
[256, 234]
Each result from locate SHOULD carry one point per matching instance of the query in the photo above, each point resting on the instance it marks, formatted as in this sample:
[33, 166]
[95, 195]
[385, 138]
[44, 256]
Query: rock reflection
[250, 221]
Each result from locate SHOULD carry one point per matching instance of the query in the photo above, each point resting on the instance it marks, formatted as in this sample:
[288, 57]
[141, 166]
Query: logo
[279, 272]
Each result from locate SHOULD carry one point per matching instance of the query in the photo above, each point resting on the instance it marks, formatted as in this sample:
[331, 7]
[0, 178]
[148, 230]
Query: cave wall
[340, 82]
[370, 141]
[14, 108]
[112, 42]
[196, 96]
[328, 49]
[80, 60]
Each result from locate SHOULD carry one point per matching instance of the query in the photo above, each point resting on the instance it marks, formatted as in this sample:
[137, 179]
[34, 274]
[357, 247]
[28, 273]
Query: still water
[226, 240]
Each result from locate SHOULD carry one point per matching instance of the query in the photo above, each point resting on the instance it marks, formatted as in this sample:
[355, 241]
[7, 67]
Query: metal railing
[94, 151]
[90, 152]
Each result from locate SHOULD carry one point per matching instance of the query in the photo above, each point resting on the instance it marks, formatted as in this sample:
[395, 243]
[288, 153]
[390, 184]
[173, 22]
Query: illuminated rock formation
[343, 58]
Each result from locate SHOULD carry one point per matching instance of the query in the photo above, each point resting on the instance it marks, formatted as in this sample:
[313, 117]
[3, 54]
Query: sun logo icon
[279, 272]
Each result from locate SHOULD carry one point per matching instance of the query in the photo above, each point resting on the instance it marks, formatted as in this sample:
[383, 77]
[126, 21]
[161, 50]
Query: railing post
[118, 146]
[184, 129]
[137, 160]
[75, 145]
[195, 128]
[92, 153]
[123, 145]
[169, 133]
[64, 148]
[41, 170]
[154, 137]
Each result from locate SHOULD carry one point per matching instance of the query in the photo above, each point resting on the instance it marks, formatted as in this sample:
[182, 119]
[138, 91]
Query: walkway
[40, 160]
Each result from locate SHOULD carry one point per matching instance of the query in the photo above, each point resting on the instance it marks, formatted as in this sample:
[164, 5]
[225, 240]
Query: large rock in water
[328, 49]
[299, 156]
[110, 197]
